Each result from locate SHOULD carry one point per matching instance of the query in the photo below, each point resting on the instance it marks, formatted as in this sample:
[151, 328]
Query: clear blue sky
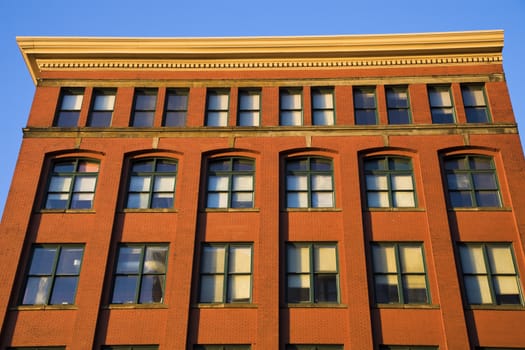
[183, 18]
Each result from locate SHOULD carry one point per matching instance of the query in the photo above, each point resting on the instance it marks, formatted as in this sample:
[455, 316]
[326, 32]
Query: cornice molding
[77, 53]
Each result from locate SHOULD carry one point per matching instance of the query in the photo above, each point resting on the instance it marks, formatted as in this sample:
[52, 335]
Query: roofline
[271, 47]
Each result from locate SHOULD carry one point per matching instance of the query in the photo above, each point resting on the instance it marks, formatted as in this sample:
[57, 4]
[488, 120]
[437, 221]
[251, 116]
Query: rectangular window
[69, 106]
[140, 274]
[53, 275]
[221, 347]
[490, 274]
[475, 103]
[291, 107]
[131, 347]
[217, 107]
[226, 273]
[323, 110]
[441, 106]
[406, 347]
[102, 108]
[365, 107]
[249, 107]
[399, 273]
[313, 347]
[38, 348]
[312, 273]
[144, 107]
[398, 106]
[176, 107]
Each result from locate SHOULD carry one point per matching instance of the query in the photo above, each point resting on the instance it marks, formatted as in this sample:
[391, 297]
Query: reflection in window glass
[309, 183]
[474, 102]
[144, 107]
[102, 108]
[217, 107]
[230, 183]
[365, 105]
[249, 107]
[323, 110]
[441, 106]
[291, 107]
[68, 110]
[176, 107]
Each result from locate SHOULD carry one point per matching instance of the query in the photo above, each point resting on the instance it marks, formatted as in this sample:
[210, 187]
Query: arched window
[152, 183]
[72, 184]
[230, 183]
[309, 182]
[389, 182]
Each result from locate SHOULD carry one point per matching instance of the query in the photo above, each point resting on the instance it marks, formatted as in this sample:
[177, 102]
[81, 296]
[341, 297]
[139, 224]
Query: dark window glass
[53, 275]
[365, 105]
[102, 108]
[144, 107]
[475, 104]
[69, 106]
[398, 106]
[309, 183]
[176, 107]
[230, 183]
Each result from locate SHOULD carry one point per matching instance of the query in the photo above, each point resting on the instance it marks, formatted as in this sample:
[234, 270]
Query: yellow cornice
[50, 53]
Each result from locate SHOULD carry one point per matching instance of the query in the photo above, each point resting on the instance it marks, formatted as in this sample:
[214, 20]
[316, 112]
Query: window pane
[138, 201]
[298, 259]
[472, 260]
[403, 200]
[291, 118]
[378, 199]
[37, 290]
[297, 164]
[376, 164]
[213, 259]
[376, 182]
[322, 99]
[402, 182]
[325, 259]
[298, 182]
[365, 117]
[176, 101]
[384, 258]
[386, 289]
[140, 183]
[175, 119]
[478, 291]
[104, 102]
[124, 289]
[319, 164]
[500, 259]
[398, 116]
[480, 163]
[242, 183]
[82, 201]
[85, 184]
[152, 289]
[249, 100]
[323, 117]
[155, 260]
[143, 119]
[67, 119]
[239, 288]
[399, 164]
[322, 200]
[64, 289]
[297, 200]
[485, 181]
[439, 96]
[217, 119]
[145, 102]
[69, 261]
[129, 260]
[506, 290]
[488, 199]
[364, 99]
[166, 166]
[397, 98]
[57, 201]
[142, 166]
[71, 102]
[411, 259]
[240, 260]
[242, 200]
[325, 288]
[100, 119]
[249, 118]
[164, 184]
[458, 181]
[442, 115]
[461, 199]
[162, 200]
[43, 261]
[211, 289]
[321, 182]
[477, 115]
[60, 184]
[290, 100]
[473, 96]
[298, 288]
[217, 101]
[415, 289]
[217, 200]
[64, 167]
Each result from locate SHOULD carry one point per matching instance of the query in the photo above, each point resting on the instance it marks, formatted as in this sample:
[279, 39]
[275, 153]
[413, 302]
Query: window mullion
[226, 278]
[313, 292]
[399, 273]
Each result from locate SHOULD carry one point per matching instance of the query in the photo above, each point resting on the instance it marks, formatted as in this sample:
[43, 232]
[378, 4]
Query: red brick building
[339, 192]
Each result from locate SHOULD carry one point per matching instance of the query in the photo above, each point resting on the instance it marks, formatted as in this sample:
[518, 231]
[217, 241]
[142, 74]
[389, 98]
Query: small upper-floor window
[152, 183]
[222, 347]
[313, 347]
[249, 113]
[140, 275]
[365, 107]
[217, 107]
[144, 107]
[102, 108]
[309, 183]
[475, 103]
[490, 274]
[323, 109]
[472, 182]
[38, 348]
[176, 107]
[131, 347]
[226, 273]
[312, 274]
[72, 184]
[441, 106]
[69, 106]
[230, 183]
[398, 105]
[290, 107]
[399, 273]
[407, 347]
[389, 182]
[53, 275]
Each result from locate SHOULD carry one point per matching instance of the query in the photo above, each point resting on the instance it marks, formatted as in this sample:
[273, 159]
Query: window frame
[221, 347]
[250, 92]
[150, 111]
[140, 274]
[401, 287]
[226, 272]
[309, 173]
[434, 108]
[389, 174]
[489, 273]
[484, 106]
[53, 275]
[152, 175]
[130, 347]
[60, 109]
[231, 173]
[393, 89]
[356, 90]
[408, 347]
[74, 176]
[313, 293]
[323, 90]
[291, 91]
[313, 347]
[210, 110]
[468, 173]
[97, 92]
[182, 110]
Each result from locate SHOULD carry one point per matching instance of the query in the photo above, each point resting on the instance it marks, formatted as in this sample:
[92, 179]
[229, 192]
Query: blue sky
[197, 18]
